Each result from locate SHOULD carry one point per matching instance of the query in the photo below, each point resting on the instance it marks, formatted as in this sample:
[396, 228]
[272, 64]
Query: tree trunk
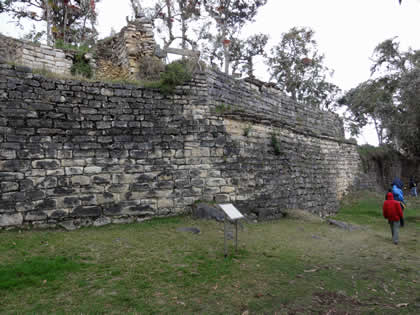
[225, 49]
[378, 130]
[65, 23]
[48, 13]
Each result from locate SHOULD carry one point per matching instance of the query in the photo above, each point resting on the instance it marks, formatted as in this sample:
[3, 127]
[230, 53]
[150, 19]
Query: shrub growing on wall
[150, 68]
[81, 66]
[176, 73]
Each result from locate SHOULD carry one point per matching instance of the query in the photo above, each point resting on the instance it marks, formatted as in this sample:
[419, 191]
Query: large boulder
[207, 211]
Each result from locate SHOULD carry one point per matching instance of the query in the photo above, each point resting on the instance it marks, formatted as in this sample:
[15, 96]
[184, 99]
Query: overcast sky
[347, 31]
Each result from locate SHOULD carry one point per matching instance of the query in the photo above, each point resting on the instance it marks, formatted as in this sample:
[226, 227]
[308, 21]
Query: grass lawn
[297, 265]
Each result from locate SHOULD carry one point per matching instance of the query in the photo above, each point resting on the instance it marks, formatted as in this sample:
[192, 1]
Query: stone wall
[35, 56]
[126, 48]
[78, 153]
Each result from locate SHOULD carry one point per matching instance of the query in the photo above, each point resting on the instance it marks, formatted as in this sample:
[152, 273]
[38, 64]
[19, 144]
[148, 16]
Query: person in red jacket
[393, 212]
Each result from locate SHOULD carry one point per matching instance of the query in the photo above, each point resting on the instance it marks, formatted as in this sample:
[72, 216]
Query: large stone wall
[78, 153]
[35, 56]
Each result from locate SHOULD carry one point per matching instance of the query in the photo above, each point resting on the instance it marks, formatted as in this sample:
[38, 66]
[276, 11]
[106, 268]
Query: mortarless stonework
[35, 56]
[78, 153]
[126, 48]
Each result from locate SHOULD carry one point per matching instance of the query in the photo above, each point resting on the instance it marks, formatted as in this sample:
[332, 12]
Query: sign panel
[231, 211]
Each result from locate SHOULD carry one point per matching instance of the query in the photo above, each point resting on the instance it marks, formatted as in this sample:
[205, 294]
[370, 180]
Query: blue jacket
[398, 194]
[397, 181]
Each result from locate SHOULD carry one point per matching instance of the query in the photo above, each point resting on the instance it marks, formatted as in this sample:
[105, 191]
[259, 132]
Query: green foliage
[275, 144]
[34, 36]
[370, 101]
[60, 44]
[247, 130]
[299, 70]
[222, 108]
[71, 21]
[243, 52]
[176, 73]
[390, 99]
[81, 66]
[381, 153]
[150, 68]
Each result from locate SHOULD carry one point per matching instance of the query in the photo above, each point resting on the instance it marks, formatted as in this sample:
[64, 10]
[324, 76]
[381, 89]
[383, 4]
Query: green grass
[35, 270]
[297, 265]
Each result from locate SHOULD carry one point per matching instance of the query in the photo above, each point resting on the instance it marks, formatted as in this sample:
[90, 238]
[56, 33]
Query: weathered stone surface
[79, 151]
[7, 206]
[68, 225]
[86, 211]
[35, 216]
[102, 221]
[207, 211]
[14, 219]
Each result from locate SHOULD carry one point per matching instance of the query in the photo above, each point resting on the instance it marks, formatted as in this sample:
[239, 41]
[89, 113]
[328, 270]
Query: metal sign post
[233, 214]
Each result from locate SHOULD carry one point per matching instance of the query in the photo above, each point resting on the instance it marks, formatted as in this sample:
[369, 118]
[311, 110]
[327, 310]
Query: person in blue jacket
[398, 195]
[397, 182]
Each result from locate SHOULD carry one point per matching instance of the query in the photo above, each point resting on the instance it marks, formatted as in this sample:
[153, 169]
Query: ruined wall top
[126, 48]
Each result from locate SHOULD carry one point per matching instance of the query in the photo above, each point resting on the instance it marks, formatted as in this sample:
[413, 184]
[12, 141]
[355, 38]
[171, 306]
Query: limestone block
[227, 189]
[35, 216]
[80, 180]
[73, 170]
[92, 170]
[57, 172]
[101, 221]
[14, 219]
[7, 154]
[212, 182]
[46, 164]
[86, 211]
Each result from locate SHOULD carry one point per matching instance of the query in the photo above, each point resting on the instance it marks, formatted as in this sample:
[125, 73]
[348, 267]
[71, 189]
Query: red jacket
[392, 208]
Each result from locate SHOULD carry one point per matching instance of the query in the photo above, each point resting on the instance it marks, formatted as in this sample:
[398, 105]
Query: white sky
[347, 31]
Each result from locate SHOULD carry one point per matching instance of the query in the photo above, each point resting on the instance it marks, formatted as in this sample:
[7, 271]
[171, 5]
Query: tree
[369, 101]
[242, 53]
[407, 120]
[391, 98]
[173, 18]
[298, 69]
[230, 17]
[72, 21]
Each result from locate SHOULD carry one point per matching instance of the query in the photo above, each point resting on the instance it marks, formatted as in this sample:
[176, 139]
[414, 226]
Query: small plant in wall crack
[247, 130]
[275, 143]
[222, 107]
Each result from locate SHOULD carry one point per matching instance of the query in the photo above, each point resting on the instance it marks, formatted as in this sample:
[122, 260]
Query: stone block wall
[241, 95]
[35, 56]
[126, 48]
[78, 153]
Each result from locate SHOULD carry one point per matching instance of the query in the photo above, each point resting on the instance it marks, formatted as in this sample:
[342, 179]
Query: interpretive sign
[233, 214]
[231, 211]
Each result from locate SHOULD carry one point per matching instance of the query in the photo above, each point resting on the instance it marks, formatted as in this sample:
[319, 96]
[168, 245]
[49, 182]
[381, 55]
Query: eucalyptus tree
[173, 19]
[243, 53]
[230, 16]
[370, 101]
[72, 21]
[298, 69]
[391, 98]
